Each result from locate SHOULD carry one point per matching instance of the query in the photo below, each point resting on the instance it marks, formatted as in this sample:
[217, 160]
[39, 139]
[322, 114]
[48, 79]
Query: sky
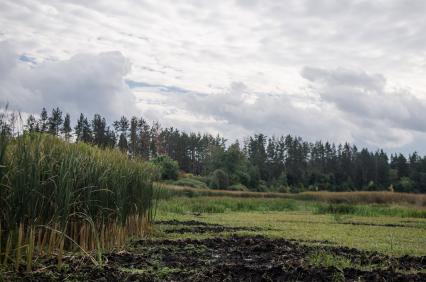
[328, 70]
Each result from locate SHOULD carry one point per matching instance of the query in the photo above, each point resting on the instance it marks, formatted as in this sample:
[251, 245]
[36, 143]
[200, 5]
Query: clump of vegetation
[57, 195]
[190, 182]
[219, 179]
[369, 210]
[182, 205]
[238, 187]
[168, 167]
[361, 197]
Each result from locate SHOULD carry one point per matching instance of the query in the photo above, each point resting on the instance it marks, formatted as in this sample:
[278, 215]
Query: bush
[262, 187]
[238, 187]
[283, 189]
[169, 168]
[405, 185]
[190, 182]
[219, 179]
[242, 177]
[200, 178]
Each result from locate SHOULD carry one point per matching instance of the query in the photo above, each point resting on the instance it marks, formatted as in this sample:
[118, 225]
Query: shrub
[219, 179]
[262, 187]
[404, 185]
[169, 168]
[283, 189]
[242, 177]
[238, 187]
[204, 179]
[191, 182]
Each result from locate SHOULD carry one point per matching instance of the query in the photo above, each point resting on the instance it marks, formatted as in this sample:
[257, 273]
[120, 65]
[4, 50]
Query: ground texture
[230, 258]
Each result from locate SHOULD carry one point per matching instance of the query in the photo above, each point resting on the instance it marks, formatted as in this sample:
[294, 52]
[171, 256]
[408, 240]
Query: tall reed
[55, 195]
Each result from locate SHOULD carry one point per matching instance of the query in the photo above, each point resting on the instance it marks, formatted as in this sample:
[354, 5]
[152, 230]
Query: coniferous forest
[259, 163]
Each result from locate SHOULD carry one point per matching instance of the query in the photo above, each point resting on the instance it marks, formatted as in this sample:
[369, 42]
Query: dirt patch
[208, 229]
[186, 223]
[193, 226]
[233, 259]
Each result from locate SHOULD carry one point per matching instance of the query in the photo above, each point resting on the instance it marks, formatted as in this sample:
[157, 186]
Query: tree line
[261, 163]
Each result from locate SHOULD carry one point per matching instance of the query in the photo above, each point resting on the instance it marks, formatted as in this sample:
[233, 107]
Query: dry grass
[358, 197]
[190, 191]
[366, 197]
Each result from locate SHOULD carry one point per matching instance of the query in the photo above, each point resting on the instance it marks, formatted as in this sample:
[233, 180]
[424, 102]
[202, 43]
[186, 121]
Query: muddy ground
[234, 258]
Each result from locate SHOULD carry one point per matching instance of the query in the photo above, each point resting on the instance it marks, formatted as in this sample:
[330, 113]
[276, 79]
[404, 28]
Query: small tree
[169, 168]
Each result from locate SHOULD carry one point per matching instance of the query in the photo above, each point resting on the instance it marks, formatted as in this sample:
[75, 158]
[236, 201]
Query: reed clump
[57, 196]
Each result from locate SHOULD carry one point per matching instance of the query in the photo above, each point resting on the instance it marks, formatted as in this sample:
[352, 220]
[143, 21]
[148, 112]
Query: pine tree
[144, 139]
[99, 130]
[43, 122]
[31, 124]
[55, 122]
[87, 131]
[133, 136]
[66, 127]
[122, 127]
[83, 131]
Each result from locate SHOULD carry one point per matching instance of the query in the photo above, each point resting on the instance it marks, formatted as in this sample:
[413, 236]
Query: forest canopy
[260, 163]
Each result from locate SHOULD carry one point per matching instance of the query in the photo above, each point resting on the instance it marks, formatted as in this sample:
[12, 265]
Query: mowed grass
[384, 228]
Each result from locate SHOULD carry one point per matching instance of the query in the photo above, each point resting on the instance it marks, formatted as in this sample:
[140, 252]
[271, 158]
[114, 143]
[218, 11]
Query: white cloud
[85, 83]
[382, 117]
[360, 55]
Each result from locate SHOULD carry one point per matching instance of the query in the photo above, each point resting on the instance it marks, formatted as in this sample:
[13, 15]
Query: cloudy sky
[349, 70]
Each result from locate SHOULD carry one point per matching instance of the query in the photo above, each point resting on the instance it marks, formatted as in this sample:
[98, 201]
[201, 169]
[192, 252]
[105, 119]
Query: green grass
[300, 220]
[232, 204]
[370, 210]
[182, 205]
[190, 182]
[324, 259]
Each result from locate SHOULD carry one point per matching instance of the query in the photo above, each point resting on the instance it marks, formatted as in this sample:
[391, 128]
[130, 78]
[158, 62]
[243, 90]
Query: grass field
[390, 229]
